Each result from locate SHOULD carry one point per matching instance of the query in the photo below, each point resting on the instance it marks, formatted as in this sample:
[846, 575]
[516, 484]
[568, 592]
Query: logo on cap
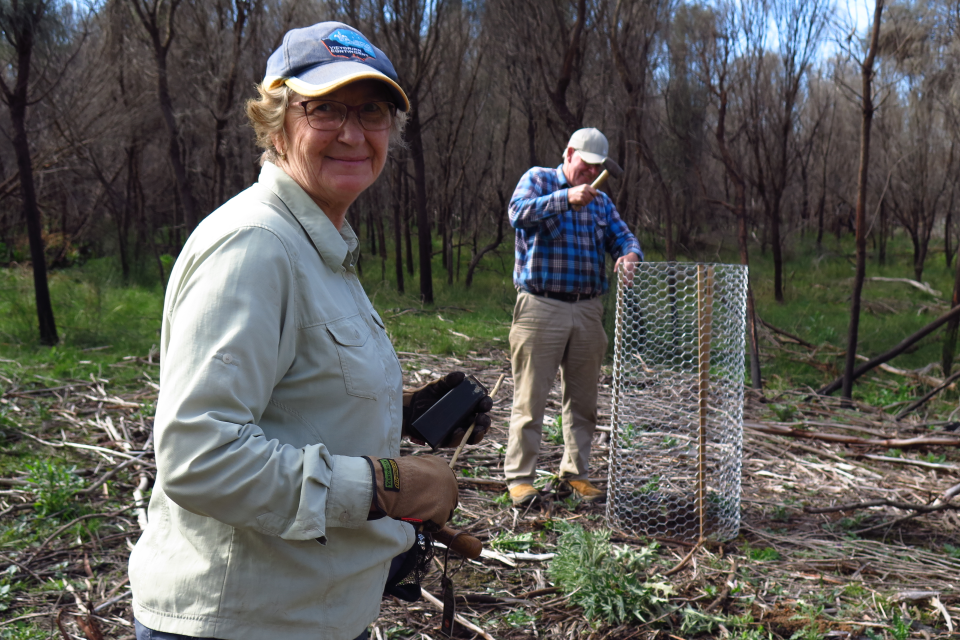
[343, 43]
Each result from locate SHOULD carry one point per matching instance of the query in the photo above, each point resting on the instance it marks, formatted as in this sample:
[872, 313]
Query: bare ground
[875, 568]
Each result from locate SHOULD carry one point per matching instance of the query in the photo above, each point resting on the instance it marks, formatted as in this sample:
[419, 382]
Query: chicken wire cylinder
[677, 417]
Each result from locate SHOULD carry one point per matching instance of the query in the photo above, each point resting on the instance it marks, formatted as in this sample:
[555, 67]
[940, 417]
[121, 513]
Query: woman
[281, 409]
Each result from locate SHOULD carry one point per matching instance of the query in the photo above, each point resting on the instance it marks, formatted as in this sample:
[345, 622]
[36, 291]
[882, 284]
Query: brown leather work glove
[417, 487]
[417, 401]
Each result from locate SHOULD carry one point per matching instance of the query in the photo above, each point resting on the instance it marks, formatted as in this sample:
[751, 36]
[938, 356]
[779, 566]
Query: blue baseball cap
[316, 60]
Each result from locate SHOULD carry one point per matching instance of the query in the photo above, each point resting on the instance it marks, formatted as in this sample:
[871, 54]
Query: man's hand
[418, 487]
[629, 264]
[417, 401]
[581, 196]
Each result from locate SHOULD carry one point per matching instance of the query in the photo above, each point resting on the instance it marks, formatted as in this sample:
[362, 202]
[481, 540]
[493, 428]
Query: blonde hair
[268, 112]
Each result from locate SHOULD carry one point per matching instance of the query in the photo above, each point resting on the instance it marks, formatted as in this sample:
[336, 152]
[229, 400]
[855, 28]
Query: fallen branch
[915, 463]
[895, 443]
[112, 514]
[905, 344]
[89, 447]
[93, 487]
[539, 592]
[25, 617]
[726, 589]
[922, 286]
[936, 505]
[460, 619]
[940, 504]
[783, 333]
[917, 403]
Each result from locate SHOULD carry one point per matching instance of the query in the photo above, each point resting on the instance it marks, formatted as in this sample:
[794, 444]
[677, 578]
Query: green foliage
[760, 633]
[504, 541]
[952, 551]
[553, 430]
[503, 500]
[695, 622]
[629, 434]
[519, 618]
[54, 488]
[764, 554]
[810, 614]
[398, 631]
[610, 583]
[901, 626]
[650, 486]
[780, 514]
[25, 630]
[784, 412]
[5, 592]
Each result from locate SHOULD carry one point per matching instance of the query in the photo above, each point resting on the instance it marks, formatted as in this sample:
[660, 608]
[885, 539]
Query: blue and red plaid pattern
[559, 249]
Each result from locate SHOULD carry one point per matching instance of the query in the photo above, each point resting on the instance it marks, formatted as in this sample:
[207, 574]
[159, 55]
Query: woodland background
[741, 126]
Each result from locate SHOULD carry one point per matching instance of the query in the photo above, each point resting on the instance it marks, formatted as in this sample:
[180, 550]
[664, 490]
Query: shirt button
[344, 517]
[227, 358]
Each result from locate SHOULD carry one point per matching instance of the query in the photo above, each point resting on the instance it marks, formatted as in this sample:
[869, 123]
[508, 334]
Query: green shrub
[609, 582]
[54, 486]
[553, 430]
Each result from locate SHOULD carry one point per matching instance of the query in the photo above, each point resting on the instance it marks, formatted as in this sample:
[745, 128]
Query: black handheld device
[450, 412]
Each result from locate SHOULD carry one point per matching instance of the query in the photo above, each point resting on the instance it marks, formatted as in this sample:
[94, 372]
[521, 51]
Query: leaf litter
[841, 537]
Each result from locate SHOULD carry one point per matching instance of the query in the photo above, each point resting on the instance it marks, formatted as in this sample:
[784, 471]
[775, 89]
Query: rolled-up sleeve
[230, 327]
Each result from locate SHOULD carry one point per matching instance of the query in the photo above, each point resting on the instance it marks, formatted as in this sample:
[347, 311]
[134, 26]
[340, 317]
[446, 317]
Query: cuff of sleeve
[351, 492]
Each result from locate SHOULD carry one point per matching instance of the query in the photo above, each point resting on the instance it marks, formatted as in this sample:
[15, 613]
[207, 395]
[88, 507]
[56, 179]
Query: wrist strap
[380, 513]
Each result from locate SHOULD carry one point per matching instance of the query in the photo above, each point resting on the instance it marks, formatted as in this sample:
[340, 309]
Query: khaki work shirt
[275, 375]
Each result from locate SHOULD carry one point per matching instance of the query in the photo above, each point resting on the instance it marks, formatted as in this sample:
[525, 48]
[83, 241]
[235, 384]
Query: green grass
[101, 320]
[817, 309]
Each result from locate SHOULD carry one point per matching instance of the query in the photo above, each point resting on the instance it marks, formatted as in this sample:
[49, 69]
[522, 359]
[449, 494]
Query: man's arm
[536, 198]
[620, 241]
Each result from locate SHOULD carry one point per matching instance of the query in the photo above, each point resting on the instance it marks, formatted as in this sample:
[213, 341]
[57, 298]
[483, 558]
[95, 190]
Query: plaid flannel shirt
[559, 249]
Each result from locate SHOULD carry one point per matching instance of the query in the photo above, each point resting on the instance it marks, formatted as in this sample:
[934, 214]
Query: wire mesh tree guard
[677, 418]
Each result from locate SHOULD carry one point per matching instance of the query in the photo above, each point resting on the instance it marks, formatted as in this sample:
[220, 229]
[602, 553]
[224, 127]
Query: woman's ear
[279, 144]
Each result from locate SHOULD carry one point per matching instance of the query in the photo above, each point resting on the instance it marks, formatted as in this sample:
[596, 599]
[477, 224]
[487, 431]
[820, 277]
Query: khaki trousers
[546, 335]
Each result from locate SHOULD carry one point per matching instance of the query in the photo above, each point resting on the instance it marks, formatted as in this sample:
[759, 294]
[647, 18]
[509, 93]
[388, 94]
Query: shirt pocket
[550, 228]
[600, 232]
[359, 360]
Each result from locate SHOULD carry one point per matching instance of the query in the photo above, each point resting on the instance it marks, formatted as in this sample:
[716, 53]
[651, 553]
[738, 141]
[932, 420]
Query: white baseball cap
[591, 144]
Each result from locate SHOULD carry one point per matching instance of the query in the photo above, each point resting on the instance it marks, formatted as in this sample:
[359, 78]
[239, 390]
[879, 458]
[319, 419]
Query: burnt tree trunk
[866, 120]
[19, 28]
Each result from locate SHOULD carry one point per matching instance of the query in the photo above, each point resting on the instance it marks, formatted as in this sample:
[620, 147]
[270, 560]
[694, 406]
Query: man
[564, 228]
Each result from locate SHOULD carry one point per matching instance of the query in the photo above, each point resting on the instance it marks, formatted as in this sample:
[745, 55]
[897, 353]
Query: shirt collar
[561, 176]
[336, 248]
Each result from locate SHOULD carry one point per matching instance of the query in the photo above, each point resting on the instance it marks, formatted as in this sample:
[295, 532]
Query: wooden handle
[463, 543]
[596, 184]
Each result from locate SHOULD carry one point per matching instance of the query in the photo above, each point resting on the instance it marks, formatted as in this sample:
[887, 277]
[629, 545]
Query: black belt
[562, 297]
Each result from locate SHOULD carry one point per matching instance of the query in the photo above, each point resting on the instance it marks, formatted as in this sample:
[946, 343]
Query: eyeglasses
[329, 115]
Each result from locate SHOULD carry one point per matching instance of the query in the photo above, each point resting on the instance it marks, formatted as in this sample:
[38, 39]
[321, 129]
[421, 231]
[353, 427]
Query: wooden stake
[705, 331]
[456, 454]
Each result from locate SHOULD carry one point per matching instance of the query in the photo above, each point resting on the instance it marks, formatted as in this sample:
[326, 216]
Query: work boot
[585, 490]
[523, 494]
